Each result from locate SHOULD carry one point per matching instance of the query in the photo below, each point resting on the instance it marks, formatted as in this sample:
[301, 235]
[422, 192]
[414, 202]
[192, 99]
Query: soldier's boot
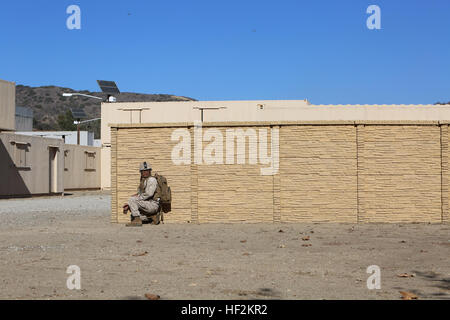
[135, 222]
[156, 218]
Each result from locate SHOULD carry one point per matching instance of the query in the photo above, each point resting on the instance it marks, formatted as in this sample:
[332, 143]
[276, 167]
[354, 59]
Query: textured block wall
[235, 192]
[318, 173]
[399, 170]
[445, 173]
[132, 146]
[342, 172]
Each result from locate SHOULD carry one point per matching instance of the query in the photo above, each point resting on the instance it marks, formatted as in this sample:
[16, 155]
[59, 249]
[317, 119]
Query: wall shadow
[11, 183]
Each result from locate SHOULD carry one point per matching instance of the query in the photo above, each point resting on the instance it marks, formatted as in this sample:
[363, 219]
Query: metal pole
[78, 133]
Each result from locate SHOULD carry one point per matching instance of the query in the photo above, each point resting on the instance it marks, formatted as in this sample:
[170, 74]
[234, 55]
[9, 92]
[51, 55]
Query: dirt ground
[212, 261]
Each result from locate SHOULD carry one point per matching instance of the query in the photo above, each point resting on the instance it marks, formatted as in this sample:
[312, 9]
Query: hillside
[47, 103]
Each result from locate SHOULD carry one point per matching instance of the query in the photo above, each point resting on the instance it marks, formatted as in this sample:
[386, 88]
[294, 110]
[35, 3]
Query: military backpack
[163, 193]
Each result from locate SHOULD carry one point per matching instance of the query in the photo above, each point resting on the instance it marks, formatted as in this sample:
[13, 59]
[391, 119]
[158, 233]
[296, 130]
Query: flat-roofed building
[283, 161]
[40, 163]
[250, 111]
[69, 137]
[7, 105]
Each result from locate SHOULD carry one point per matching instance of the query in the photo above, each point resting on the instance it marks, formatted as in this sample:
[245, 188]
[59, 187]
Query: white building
[70, 137]
[98, 143]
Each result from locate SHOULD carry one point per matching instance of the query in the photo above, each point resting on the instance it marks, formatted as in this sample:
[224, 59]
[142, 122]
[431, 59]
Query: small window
[90, 161]
[21, 156]
[66, 160]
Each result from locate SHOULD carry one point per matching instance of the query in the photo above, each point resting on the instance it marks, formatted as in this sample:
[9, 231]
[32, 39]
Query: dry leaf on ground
[151, 296]
[140, 254]
[408, 295]
[406, 275]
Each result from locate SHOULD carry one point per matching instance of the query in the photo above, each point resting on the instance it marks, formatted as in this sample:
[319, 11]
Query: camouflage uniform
[142, 205]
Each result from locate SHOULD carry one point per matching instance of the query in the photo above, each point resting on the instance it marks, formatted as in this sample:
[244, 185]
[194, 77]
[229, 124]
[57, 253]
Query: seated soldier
[142, 205]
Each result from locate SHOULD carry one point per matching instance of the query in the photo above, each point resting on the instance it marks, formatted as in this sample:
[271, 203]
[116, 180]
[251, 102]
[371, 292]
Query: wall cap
[280, 123]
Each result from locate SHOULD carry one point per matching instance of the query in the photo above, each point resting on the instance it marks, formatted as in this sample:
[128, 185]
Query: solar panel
[78, 113]
[109, 87]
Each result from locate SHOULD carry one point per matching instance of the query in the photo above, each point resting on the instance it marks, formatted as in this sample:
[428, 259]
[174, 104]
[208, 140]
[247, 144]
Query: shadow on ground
[435, 280]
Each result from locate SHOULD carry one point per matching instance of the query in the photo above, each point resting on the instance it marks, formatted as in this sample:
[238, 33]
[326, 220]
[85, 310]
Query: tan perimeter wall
[7, 105]
[335, 171]
[30, 165]
[131, 113]
[82, 167]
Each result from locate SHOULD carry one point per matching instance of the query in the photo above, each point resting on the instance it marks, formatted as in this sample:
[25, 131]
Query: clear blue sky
[234, 50]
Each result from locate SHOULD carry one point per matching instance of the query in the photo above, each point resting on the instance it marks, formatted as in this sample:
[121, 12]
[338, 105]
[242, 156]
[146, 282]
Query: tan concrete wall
[25, 165]
[400, 173]
[338, 171]
[254, 111]
[180, 111]
[82, 166]
[233, 192]
[7, 105]
[183, 111]
[105, 168]
[445, 173]
[318, 173]
[272, 110]
[129, 151]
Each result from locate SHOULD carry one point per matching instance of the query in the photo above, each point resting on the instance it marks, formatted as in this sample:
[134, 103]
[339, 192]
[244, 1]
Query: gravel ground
[44, 210]
[41, 237]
